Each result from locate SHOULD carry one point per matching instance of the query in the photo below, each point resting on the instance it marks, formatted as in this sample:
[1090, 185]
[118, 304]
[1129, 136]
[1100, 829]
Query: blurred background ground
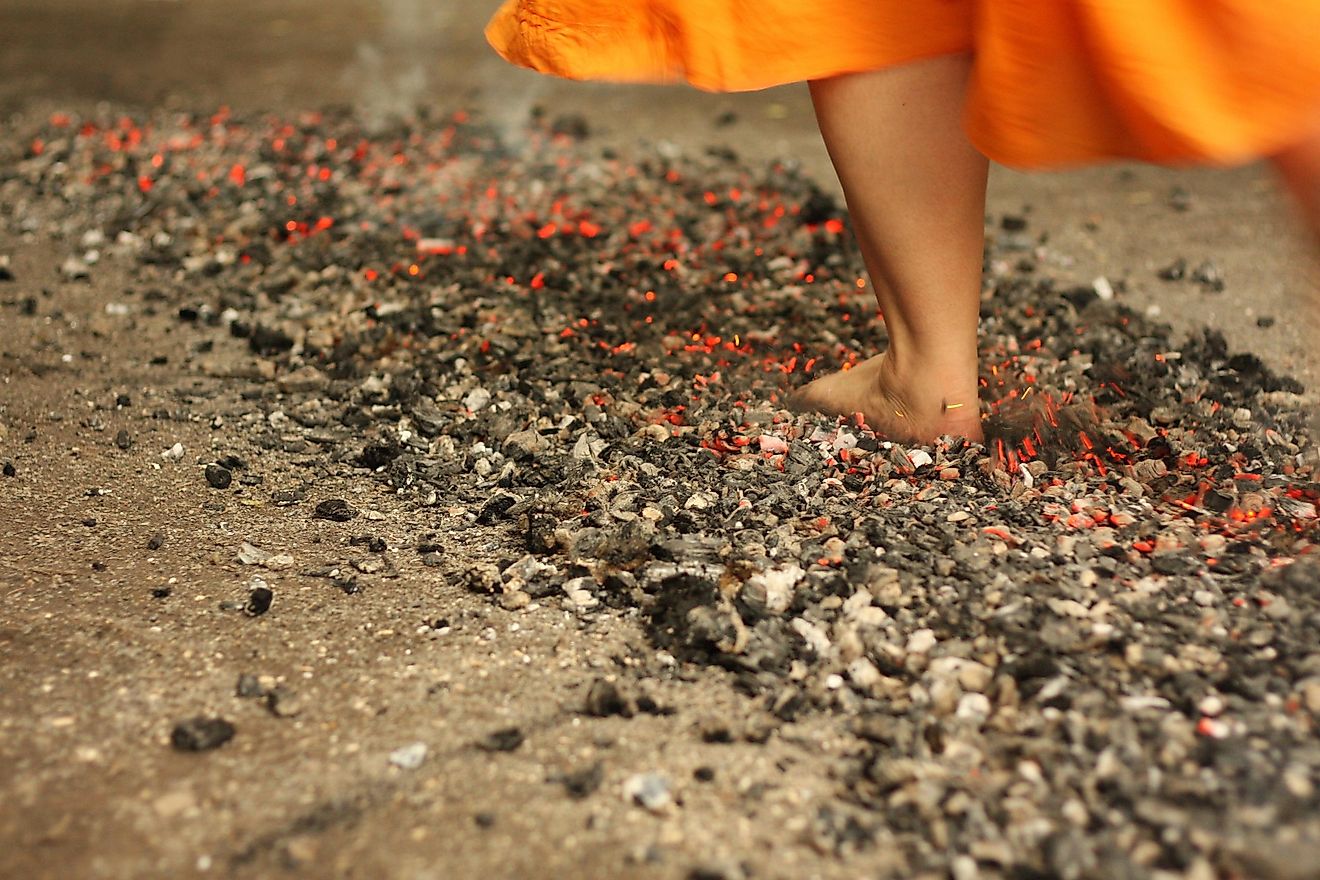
[390, 56]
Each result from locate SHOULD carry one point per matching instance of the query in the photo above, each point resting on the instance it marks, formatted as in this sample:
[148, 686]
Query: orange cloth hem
[1053, 83]
[721, 46]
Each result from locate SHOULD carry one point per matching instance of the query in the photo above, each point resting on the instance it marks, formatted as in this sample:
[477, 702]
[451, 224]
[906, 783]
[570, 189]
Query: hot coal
[577, 358]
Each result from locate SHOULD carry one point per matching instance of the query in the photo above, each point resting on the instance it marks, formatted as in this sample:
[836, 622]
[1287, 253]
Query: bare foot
[892, 408]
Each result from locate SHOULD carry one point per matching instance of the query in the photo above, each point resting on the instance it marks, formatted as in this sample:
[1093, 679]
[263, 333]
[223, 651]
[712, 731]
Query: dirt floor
[122, 587]
[109, 640]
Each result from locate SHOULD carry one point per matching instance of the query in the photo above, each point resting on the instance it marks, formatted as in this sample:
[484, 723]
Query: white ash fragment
[1143, 703]
[588, 446]
[864, 674]
[814, 636]
[476, 400]
[75, 269]
[651, 791]
[920, 458]
[251, 554]
[974, 708]
[409, 757]
[921, 641]
[844, 440]
[772, 591]
[579, 595]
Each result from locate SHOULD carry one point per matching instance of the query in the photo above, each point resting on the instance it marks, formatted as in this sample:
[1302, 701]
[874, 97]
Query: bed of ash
[1090, 648]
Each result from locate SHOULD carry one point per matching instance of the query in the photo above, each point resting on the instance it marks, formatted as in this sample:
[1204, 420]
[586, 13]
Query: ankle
[941, 360]
[932, 388]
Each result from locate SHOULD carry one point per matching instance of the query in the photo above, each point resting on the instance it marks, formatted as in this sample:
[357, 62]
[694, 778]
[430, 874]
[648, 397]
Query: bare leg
[1300, 168]
[916, 193]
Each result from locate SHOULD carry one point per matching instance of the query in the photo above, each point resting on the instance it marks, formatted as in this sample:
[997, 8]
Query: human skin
[915, 188]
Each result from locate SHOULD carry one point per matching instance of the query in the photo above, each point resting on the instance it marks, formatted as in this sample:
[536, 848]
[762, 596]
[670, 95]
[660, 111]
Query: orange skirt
[1054, 82]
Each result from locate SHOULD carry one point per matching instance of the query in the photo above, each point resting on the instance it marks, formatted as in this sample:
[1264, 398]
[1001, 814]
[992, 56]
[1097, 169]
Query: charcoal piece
[541, 533]
[818, 207]
[495, 509]
[1175, 271]
[335, 509]
[258, 601]
[605, 699]
[376, 455]
[504, 740]
[269, 340]
[583, 783]
[1032, 666]
[218, 477]
[201, 734]
[572, 125]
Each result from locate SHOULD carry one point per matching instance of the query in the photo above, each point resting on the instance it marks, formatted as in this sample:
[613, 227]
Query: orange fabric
[1054, 82]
